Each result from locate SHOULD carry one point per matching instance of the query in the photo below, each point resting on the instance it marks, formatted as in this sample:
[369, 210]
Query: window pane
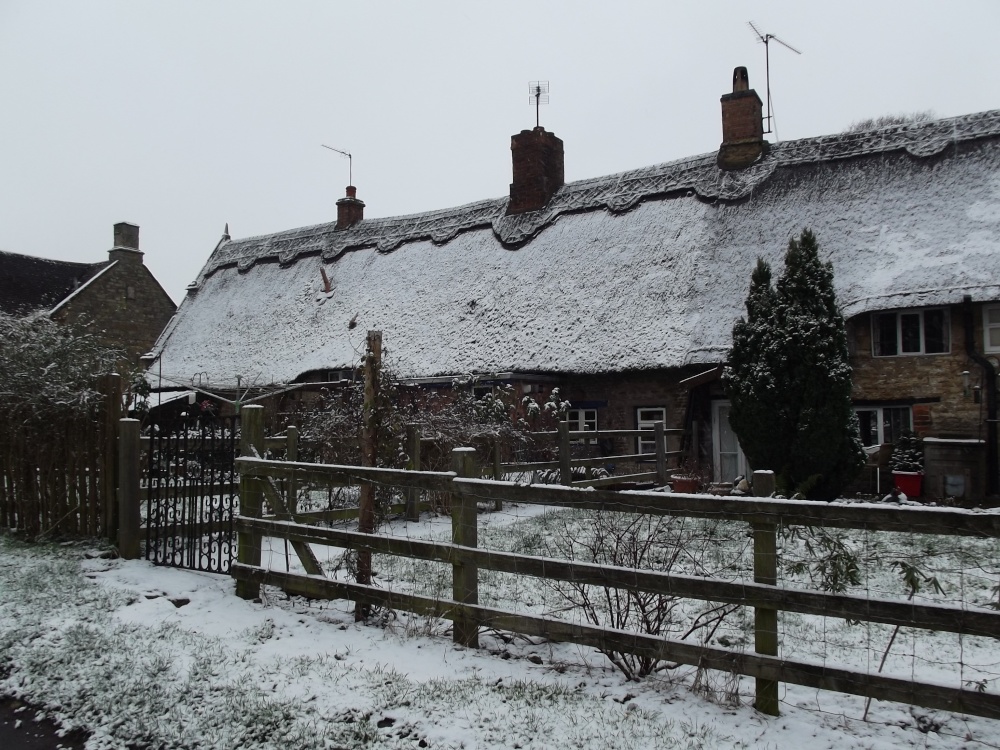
[935, 331]
[994, 338]
[868, 420]
[645, 418]
[993, 315]
[909, 325]
[885, 335]
[895, 421]
[651, 415]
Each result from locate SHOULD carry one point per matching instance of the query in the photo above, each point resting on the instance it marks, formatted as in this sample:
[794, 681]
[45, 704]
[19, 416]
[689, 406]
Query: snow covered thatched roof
[638, 270]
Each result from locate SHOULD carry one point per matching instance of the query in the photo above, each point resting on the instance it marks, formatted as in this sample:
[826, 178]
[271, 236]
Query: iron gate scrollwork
[192, 491]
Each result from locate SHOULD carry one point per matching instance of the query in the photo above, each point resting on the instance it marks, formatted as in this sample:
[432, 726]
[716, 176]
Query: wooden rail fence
[467, 489]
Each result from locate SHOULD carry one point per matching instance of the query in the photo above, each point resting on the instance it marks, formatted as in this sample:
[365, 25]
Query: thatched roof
[640, 270]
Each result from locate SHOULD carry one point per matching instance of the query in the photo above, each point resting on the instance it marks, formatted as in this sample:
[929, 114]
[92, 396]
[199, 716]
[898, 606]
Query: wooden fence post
[251, 494]
[292, 454]
[110, 386]
[661, 453]
[765, 570]
[369, 457]
[413, 464]
[497, 471]
[129, 512]
[464, 531]
[565, 464]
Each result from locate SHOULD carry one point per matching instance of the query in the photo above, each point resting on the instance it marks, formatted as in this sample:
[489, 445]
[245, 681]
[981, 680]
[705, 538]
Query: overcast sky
[182, 116]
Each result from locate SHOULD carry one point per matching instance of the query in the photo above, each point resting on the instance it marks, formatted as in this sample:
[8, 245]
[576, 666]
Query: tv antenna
[538, 94]
[350, 162]
[766, 39]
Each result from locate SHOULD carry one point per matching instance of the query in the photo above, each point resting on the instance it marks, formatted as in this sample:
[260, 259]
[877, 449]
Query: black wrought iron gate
[192, 495]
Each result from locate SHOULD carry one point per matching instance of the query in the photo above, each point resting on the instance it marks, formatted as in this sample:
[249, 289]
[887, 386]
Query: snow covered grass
[171, 658]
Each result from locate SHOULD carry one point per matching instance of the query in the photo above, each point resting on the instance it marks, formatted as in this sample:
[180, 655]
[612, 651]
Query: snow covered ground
[169, 658]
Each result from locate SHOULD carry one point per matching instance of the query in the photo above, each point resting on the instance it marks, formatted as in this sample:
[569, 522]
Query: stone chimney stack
[742, 125]
[537, 157]
[126, 243]
[350, 210]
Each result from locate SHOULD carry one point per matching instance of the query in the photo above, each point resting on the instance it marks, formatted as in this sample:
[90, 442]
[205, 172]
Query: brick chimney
[350, 210]
[126, 243]
[537, 157]
[742, 125]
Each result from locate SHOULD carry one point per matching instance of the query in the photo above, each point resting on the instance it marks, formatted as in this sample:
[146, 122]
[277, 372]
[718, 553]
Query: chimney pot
[350, 210]
[537, 161]
[741, 79]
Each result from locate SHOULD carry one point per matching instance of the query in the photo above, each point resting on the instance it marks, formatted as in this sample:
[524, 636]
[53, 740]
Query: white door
[728, 459]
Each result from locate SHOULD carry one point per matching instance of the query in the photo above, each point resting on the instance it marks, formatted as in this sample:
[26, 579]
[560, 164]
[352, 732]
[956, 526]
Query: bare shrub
[445, 418]
[657, 543]
[886, 121]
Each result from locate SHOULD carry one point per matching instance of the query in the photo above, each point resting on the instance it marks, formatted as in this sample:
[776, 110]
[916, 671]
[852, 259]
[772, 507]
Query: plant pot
[910, 483]
[685, 484]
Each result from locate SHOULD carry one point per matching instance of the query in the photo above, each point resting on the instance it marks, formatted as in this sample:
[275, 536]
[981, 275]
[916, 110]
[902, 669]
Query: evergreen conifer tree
[789, 379]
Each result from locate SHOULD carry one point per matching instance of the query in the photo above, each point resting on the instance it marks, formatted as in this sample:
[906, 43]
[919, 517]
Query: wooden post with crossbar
[369, 457]
[765, 570]
[465, 531]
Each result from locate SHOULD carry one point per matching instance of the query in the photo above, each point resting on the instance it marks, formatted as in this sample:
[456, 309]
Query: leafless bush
[885, 121]
[642, 542]
[445, 418]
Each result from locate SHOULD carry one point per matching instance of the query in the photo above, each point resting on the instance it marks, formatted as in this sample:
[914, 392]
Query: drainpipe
[990, 392]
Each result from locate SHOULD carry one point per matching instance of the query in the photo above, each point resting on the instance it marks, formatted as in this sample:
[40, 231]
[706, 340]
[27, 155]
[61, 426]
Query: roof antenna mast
[350, 162]
[538, 94]
[766, 38]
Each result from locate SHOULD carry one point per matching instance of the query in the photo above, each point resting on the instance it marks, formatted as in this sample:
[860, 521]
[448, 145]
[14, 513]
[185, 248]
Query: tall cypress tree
[789, 379]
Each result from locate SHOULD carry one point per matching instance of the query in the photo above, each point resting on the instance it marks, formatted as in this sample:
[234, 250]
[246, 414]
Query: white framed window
[728, 461]
[911, 332]
[582, 420]
[883, 424]
[645, 418]
[991, 328]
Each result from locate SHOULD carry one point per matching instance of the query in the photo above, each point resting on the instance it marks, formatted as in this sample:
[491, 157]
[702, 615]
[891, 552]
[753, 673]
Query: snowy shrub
[48, 374]
[907, 453]
[789, 379]
[48, 370]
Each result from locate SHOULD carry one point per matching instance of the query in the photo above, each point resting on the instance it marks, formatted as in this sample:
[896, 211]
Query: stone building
[623, 290]
[118, 296]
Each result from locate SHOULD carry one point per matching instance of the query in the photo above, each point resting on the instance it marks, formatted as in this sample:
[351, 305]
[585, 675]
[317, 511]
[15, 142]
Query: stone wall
[125, 302]
[931, 383]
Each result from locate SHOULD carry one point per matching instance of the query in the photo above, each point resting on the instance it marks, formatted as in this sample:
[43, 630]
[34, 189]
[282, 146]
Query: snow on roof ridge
[617, 193]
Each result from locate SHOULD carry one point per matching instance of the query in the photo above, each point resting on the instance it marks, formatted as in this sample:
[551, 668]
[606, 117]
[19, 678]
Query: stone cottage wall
[127, 304]
[931, 383]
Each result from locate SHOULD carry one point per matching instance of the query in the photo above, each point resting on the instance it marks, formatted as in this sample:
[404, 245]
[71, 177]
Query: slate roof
[639, 270]
[29, 284]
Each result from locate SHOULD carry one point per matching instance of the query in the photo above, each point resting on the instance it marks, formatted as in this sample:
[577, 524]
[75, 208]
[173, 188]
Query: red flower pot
[685, 484]
[910, 483]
